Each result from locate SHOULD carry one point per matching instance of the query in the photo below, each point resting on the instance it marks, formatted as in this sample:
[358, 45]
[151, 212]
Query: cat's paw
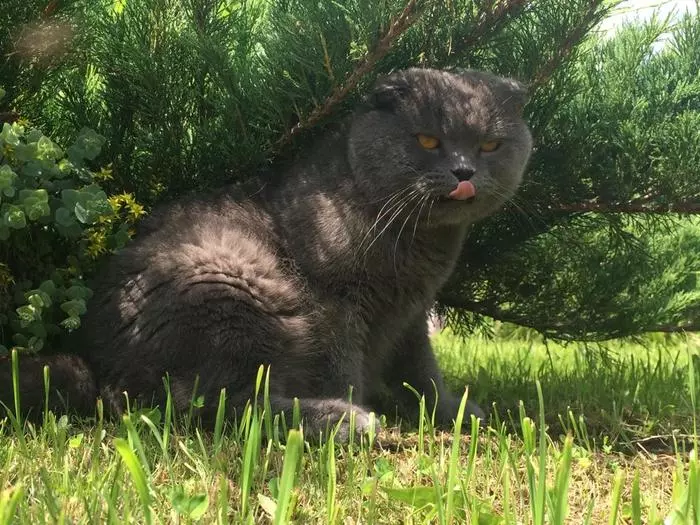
[447, 413]
[365, 424]
[341, 417]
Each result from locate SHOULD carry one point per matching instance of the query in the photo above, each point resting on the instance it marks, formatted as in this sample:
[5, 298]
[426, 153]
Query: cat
[326, 273]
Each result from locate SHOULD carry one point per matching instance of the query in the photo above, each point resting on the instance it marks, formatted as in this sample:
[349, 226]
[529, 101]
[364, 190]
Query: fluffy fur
[325, 273]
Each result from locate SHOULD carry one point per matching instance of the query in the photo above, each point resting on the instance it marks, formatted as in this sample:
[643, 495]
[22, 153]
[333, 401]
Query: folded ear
[388, 91]
[509, 92]
[513, 93]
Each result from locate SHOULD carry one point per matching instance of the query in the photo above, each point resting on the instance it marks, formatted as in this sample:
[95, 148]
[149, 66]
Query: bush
[55, 222]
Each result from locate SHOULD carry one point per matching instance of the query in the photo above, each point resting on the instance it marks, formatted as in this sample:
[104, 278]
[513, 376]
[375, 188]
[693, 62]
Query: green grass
[577, 436]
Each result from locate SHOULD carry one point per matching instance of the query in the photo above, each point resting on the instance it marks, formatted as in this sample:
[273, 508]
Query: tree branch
[491, 20]
[397, 26]
[683, 207]
[674, 329]
[557, 332]
[577, 34]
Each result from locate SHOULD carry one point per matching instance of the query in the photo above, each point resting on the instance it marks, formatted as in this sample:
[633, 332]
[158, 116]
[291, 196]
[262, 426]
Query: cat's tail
[72, 386]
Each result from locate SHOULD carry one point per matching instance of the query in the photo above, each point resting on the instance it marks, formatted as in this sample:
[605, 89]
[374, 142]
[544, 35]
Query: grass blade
[562, 483]
[250, 456]
[616, 497]
[9, 501]
[137, 475]
[453, 469]
[331, 485]
[636, 501]
[220, 418]
[292, 456]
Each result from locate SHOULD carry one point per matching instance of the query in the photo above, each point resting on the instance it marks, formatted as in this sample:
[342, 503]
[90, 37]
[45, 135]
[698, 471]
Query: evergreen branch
[683, 207]
[567, 47]
[397, 26]
[492, 19]
[673, 329]
[559, 332]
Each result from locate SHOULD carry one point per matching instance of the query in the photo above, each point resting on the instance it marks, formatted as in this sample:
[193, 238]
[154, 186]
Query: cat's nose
[463, 173]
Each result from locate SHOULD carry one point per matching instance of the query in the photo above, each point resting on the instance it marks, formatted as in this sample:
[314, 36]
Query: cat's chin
[453, 212]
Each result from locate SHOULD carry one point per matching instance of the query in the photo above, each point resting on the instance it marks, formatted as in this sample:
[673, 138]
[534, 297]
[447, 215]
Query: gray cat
[326, 273]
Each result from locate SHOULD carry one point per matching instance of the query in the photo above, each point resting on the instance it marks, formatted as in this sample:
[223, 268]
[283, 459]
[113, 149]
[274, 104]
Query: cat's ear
[513, 94]
[388, 91]
[508, 91]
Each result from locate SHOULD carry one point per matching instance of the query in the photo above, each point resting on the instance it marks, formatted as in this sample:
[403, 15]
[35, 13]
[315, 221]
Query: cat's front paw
[447, 412]
[335, 414]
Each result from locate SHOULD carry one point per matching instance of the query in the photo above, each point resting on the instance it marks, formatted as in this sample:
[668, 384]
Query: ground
[617, 448]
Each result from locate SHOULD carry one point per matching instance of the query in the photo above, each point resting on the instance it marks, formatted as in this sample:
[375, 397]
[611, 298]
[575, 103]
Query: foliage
[54, 220]
[192, 93]
[613, 247]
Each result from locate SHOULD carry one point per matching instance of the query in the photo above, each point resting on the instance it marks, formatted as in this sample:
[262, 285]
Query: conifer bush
[601, 240]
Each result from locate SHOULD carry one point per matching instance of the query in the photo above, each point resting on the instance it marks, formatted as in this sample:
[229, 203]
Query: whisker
[430, 210]
[425, 199]
[396, 214]
[408, 217]
[392, 201]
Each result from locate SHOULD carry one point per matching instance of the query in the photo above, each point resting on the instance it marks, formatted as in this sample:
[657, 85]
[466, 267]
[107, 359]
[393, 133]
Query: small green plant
[55, 221]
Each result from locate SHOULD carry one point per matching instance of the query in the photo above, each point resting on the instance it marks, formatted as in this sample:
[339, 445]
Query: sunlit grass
[538, 462]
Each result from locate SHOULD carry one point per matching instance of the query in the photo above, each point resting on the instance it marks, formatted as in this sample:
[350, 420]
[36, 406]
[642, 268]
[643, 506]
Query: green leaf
[83, 214]
[37, 329]
[120, 238]
[86, 147]
[69, 198]
[28, 314]
[64, 168]
[9, 135]
[33, 135]
[76, 440]
[35, 203]
[40, 195]
[33, 169]
[38, 299]
[74, 308]
[7, 180]
[14, 217]
[71, 323]
[48, 287]
[47, 150]
[193, 506]
[64, 217]
[79, 292]
[417, 497]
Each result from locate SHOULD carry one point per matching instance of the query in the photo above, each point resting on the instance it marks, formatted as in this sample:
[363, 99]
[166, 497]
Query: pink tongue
[464, 190]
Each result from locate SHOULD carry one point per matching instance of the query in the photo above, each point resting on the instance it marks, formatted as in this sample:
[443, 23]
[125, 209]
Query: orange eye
[490, 146]
[428, 142]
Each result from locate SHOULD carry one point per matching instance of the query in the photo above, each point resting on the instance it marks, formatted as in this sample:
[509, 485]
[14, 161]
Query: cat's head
[422, 131]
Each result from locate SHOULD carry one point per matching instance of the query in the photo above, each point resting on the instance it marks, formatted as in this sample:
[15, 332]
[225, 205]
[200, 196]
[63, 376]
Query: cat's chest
[372, 314]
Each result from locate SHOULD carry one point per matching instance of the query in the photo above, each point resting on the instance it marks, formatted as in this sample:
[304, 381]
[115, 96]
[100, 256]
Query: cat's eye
[490, 146]
[428, 142]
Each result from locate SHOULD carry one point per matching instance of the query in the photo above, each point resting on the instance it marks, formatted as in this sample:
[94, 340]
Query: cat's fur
[326, 273]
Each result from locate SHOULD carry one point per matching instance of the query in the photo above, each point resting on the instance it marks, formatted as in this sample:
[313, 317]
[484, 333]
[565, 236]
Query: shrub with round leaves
[55, 222]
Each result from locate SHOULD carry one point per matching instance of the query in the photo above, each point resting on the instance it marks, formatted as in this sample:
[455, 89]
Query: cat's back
[199, 233]
[196, 257]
